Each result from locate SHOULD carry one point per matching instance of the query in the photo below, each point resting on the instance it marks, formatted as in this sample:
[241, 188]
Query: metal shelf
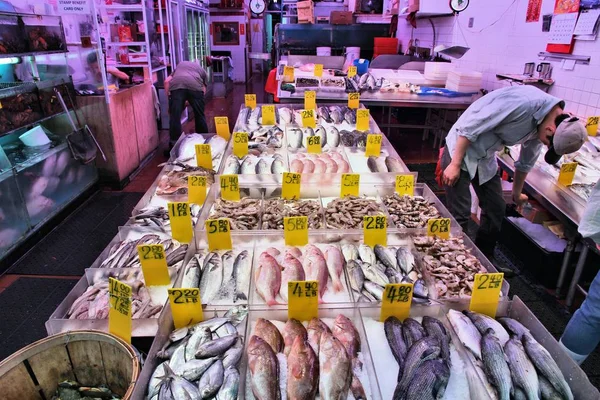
[126, 43]
[32, 53]
[162, 67]
[142, 65]
[29, 126]
[123, 7]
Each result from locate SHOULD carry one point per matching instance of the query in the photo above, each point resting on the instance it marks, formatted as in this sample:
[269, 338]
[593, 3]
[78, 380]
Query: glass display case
[197, 33]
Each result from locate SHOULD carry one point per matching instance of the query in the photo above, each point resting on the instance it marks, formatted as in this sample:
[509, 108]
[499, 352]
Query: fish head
[237, 314]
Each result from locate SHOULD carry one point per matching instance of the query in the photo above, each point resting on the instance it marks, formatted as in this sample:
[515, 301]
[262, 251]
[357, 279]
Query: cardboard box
[306, 12]
[341, 17]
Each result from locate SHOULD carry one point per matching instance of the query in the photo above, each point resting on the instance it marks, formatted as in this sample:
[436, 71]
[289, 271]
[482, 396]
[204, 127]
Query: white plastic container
[352, 53]
[34, 137]
[464, 81]
[323, 51]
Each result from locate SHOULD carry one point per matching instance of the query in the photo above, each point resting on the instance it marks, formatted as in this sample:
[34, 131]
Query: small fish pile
[384, 164]
[307, 82]
[158, 217]
[94, 302]
[324, 163]
[297, 138]
[286, 115]
[220, 275]
[422, 351]
[265, 137]
[354, 139]
[72, 390]
[277, 209]
[409, 211]
[337, 114]
[450, 264]
[582, 190]
[186, 150]
[253, 164]
[333, 84]
[515, 364]
[125, 255]
[175, 181]
[274, 270]
[250, 120]
[201, 360]
[243, 215]
[298, 362]
[370, 269]
[348, 212]
[368, 82]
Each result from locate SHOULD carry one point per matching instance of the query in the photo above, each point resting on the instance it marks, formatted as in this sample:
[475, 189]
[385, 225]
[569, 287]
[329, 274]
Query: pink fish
[315, 269]
[273, 252]
[331, 166]
[312, 249]
[343, 167]
[309, 167]
[296, 166]
[294, 252]
[335, 266]
[268, 278]
[320, 167]
[292, 271]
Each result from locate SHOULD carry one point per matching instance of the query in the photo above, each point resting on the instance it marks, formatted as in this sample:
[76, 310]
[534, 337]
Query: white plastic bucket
[352, 53]
[35, 137]
[323, 51]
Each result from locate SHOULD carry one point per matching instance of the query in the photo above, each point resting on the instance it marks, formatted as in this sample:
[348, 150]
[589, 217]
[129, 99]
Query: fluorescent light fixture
[9, 60]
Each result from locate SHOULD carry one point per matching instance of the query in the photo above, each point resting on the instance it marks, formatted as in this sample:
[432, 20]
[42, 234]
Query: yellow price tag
[303, 300]
[313, 144]
[310, 99]
[373, 145]
[308, 118]
[290, 189]
[295, 231]
[181, 221]
[240, 144]
[350, 185]
[405, 184]
[186, 306]
[353, 100]
[396, 301]
[250, 100]
[439, 227]
[222, 125]
[197, 189]
[567, 173]
[592, 125]
[351, 71]
[486, 293]
[375, 230]
[268, 115]
[203, 156]
[119, 312]
[230, 187]
[154, 264]
[288, 74]
[362, 119]
[318, 70]
[218, 234]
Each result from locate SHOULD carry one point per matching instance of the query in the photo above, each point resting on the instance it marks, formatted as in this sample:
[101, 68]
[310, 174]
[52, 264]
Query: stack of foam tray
[464, 81]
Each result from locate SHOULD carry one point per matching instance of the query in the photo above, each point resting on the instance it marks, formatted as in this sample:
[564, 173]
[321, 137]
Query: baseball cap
[570, 135]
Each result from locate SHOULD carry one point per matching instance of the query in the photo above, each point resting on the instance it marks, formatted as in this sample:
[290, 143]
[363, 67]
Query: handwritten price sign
[567, 173]
[119, 313]
[486, 293]
[230, 187]
[295, 231]
[439, 227]
[197, 189]
[154, 264]
[313, 144]
[405, 185]
[291, 185]
[181, 221]
[375, 230]
[308, 118]
[222, 126]
[353, 100]
[350, 185]
[218, 234]
[303, 300]
[186, 306]
[373, 145]
[397, 298]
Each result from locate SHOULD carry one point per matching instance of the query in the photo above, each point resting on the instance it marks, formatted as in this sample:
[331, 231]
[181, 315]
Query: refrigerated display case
[197, 45]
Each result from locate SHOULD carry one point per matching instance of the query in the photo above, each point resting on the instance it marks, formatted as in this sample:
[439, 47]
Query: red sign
[242, 29]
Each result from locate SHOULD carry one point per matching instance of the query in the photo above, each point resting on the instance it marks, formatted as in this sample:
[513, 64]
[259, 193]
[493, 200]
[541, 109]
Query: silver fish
[278, 165]
[175, 387]
[385, 255]
[323, 113]
[198, 337]
[349, 251]
[423, 350]
[249, 164]
[513, 326]
[191, 276]
[263, 167]
[178, 358]
[429, 381]
[211, 380]
[367, 297]
[333, 137]
[286, 115]
[156, 379]
[356, 276]
[212, 277]
[231, 382]
[233, 356]
[466, 331]
[494, 364]
[193, 369]
[372, 164]
[232, 165]
[241, 276]
[374, 274]
[521, 369]
[483, 323]
[374, 289]
[420, 289]
[215, 347]
[393, 165]
[549, 392]
[366, 254]
[294, 138]
[320, 132]
[228, 260]
[405, 259]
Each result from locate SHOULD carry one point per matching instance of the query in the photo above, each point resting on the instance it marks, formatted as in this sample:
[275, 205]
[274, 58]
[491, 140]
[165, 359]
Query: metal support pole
[577, 275]
[564, 266]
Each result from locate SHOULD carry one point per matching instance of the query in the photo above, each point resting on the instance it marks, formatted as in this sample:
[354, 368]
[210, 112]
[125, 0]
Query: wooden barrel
[91, 358]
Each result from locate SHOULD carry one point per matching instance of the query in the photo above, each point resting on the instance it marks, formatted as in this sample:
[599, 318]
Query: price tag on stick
[375, 230]
[230, 187]
[308, 118]
[439, 227]
[268, 115]
[350, 185]
[405, 184]
[290, 189]
[396, 301]
[288, 74]
[353, 100]
[295, 231]
[373, 145]
[250, 100]
[592, 126]
[313, 144]
[222, 127]
[240, 144]
[119, 312]
[218, 234]
[197, 189]
[362, 120]
[318, 70]
[186, 306]
[351, 71]
[310, 100]
[203, 156]
[303, 300]
[154, 264]
[181, 221]
[486, 293]
[567, 173]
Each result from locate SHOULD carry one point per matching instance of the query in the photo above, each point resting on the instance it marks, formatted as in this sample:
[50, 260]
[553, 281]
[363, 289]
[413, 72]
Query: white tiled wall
[502, 42]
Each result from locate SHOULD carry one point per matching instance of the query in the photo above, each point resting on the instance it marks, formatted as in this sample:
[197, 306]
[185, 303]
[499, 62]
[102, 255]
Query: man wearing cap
[505, 117]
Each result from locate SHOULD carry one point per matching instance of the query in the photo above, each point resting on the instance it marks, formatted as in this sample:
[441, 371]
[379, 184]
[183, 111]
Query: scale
[455, 51]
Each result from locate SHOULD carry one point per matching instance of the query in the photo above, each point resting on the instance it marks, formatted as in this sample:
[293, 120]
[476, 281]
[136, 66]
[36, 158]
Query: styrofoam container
[35, 137]
[323, 51]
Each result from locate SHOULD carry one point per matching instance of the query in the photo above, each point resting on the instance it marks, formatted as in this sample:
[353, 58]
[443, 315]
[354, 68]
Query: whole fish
[323, 112]
[345, 331]
[519, 394]
[393, 164]
[335, 266]
[241, 276]
[175, 387]
[191, 276]
[423, 350]
[294, 252]
[193, 369]
[315, 269]
[482, 322]
[320, 132]
[494, 364]
[466, 331]
[350, 252]
[270, 334]
[292, 271]
[350, 117]
[156, 379]
[521, 369]
[198, 337]
[211, 381]
[385, 256]
[178, 358]
[372, 164]
[233, 356]
[227, 259]
[374, 274]
[335, 369]
[212, 277]
[294, 138]
[248, 165]
[336, 116]
[292, 328]
[374, 290]
[311, 249]
[278, 165]
[543, 361]
[302, 370]
[513, 326]
[405, 259]
[429, 382]
[356, 276]
[434, 327]
[393, 332]
[285, 114]
[264, 370]
[215, 347]
[314, 330]
[367, 254]
[357, 389]
[231, 382]
[412, 331]
[263, 167]
[333, 137]
[549, 392]
[267, 278]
